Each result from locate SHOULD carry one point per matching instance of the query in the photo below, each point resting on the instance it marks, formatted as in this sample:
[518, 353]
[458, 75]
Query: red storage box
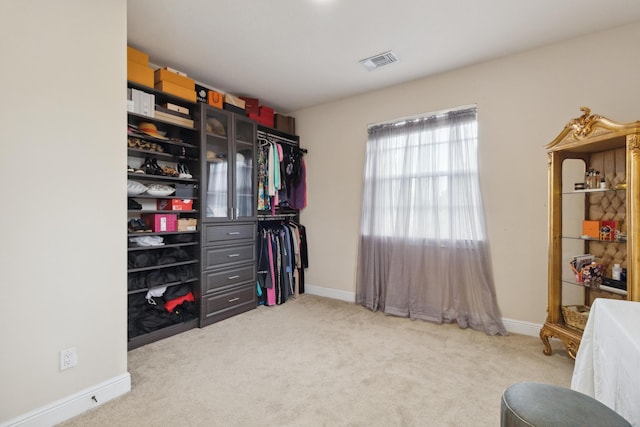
[160, 222]
[174, 204]
[266, 116]
[251, 105]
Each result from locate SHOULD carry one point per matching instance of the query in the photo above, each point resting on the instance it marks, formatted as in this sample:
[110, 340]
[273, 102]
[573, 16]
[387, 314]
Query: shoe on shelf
[147, 167]
[137, 225]
[133, 205]
[183, 171]
[157, 170]
[169, 171]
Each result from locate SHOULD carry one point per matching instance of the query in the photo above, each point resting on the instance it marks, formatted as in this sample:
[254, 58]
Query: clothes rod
[265, 135]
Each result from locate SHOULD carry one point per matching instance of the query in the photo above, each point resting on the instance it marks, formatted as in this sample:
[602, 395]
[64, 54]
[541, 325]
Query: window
[421, 179]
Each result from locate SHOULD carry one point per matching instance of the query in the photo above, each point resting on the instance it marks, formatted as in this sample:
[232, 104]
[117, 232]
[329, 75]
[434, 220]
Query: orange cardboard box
[135, 55]
[591, 229]
[215, 99]
[138, 73]
[176, 90]
[162, 75]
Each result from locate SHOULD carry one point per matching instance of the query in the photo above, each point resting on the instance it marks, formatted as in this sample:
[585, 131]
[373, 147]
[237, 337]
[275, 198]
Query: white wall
[62, 164]
[524, 101]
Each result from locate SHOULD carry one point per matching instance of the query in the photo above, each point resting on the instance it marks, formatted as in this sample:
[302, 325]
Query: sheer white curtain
[423, 251]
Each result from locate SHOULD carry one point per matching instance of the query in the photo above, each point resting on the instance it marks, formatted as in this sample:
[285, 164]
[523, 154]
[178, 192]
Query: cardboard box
[608, 230]
[176, 90]
[135, 55]
[215, 99]
[591, 229]
[161, 75]
[174, 204]
[201, 93]
[138, 73]
[266, 115]
[285, 123]
[234, 100]
[187, 224]
[161, 222]
[251, 105]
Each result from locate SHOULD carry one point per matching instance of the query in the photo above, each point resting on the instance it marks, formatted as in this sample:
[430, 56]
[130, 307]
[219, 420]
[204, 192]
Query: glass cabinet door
[229, 166]
[217, 174]
[244, 182]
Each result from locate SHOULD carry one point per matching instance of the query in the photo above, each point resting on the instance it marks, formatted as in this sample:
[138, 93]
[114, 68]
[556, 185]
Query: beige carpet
[320, 362]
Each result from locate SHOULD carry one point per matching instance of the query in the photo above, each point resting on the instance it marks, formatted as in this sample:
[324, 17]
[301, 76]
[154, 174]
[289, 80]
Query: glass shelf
[593, 190]
[593, 239]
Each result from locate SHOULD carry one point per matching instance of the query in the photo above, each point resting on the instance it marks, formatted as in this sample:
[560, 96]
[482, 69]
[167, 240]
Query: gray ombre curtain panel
[423, 251]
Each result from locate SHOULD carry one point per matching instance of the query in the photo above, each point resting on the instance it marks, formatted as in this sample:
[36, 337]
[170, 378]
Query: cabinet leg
[544, 336]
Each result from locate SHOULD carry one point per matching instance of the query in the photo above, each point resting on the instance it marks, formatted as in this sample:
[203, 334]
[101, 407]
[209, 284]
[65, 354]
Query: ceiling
[293, 54]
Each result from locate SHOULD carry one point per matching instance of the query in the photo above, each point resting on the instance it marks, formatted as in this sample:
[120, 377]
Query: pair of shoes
[135, 170]
[137, 225]
[183, 171]
[151, 167]
[169, 171]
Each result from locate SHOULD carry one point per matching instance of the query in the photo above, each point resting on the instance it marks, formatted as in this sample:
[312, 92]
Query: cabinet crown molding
[590, 128]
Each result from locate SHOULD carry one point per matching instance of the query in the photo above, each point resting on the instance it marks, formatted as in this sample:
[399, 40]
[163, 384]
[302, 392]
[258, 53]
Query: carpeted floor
[320, 362]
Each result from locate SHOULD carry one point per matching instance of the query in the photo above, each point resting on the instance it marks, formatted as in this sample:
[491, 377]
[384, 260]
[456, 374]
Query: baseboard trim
[330, 293]
[514, 326]
[71, 406]
[522, 328]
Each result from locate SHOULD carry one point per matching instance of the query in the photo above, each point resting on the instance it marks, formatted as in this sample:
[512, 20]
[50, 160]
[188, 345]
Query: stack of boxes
[601, 230]
[138, 70]
[260, 113]
[175, 83]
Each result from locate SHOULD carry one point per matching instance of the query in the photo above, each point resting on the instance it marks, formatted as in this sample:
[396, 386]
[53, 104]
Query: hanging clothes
[280, 261]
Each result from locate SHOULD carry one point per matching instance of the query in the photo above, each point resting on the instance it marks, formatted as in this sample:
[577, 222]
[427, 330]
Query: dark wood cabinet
[165, 254]
[229, 216]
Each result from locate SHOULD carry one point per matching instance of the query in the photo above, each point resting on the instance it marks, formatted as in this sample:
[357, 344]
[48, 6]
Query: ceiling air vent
[379, 60]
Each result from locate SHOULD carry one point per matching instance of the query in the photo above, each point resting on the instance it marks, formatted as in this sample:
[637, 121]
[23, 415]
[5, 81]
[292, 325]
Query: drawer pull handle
[234, 299]
[233, 255]
[233, 233]
[234, 277]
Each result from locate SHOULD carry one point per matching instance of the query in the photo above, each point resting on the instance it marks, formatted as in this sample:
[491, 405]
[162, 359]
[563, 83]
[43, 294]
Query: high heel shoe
[157, 170]
[147, 166]
[183, 171]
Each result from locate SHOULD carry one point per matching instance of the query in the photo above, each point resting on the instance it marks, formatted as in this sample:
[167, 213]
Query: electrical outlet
[68, 358]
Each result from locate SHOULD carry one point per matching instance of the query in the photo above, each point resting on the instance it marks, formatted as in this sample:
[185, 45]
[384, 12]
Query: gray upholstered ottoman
[535, 404]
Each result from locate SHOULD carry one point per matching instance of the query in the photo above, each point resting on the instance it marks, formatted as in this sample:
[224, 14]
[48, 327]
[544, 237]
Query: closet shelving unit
[183, 148]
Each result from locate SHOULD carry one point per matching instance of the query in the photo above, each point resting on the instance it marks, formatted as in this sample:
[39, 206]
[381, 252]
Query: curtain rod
[420, 116]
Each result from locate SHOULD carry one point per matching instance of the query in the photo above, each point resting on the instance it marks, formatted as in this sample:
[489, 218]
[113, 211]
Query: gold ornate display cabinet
[594, 216]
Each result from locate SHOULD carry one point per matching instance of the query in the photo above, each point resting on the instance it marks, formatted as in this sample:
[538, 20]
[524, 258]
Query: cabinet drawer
[228, 255]
[224, 233]
[219, 279]
[228, 303]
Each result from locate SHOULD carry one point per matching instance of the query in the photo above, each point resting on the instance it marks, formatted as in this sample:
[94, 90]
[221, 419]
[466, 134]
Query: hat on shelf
[151, 130]
[214, 126]
[213, 157]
